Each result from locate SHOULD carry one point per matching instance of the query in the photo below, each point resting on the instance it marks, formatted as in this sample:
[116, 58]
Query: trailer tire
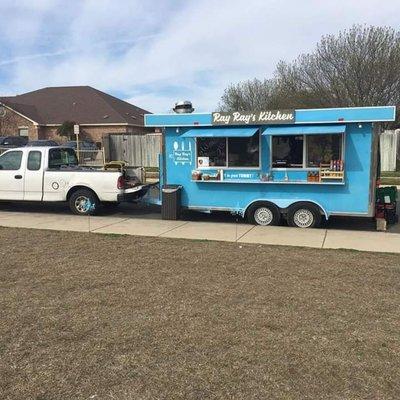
[84, 202]
[304, 215]
[264, 214]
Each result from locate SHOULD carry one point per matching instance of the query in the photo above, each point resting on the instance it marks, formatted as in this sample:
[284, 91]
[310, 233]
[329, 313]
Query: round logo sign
[55, 185]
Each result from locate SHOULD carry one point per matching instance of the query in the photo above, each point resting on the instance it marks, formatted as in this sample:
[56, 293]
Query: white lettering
[274, 116]
[225, 119]
[247, 118]
[238, 117]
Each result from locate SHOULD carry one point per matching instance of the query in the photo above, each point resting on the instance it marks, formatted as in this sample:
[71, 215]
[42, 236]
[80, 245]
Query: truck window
[11, 161]
[62, 158]
[34, 160]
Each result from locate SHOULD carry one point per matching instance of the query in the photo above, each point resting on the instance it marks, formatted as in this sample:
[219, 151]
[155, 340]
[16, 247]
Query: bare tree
[357, 67]
[249, 95]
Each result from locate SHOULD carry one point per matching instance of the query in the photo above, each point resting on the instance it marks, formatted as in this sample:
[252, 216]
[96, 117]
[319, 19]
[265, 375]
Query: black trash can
[171, 202]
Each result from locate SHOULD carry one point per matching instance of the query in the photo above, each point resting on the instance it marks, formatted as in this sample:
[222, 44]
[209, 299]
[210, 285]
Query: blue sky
[154, 53]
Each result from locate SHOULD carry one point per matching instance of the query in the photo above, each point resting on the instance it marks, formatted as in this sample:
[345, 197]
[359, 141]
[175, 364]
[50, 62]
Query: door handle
[18, 176]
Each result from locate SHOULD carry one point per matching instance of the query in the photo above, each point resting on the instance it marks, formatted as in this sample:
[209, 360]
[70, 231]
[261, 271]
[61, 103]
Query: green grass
[152, 169]
[390, 174]
[390, 181]
[390, 178]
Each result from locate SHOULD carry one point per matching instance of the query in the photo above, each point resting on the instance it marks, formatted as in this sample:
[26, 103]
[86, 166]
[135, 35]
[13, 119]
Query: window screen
[287, 151]
[34, 160]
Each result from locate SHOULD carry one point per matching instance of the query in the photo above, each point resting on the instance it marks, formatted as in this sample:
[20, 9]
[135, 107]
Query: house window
[232, 152]
[287, 151]
[321, 149]
[23, 132]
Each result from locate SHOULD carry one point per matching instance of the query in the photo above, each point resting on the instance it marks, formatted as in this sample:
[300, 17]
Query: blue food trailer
[301, 164]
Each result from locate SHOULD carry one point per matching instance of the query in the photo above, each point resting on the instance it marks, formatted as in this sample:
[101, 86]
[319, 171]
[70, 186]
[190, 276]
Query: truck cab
[52, 174]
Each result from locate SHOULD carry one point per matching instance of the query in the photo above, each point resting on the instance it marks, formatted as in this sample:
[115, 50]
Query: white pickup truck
[48, 174]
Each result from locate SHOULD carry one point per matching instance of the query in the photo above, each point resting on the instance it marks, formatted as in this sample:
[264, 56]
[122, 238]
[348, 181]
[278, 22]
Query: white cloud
[155, 53]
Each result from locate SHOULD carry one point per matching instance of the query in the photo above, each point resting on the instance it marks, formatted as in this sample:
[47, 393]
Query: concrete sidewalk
[231, 232]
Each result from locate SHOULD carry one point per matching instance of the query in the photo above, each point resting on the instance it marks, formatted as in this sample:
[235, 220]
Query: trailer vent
[183, 107]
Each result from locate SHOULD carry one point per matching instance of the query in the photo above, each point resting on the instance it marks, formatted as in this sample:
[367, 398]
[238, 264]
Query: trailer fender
[284, 204]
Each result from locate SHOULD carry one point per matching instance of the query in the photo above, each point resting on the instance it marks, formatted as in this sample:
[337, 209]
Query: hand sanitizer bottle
[286, 176]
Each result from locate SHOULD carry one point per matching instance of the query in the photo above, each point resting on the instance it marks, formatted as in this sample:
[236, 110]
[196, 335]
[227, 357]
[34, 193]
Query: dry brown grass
[111, 317]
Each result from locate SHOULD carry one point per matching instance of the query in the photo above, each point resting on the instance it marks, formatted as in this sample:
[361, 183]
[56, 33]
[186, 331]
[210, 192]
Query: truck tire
[304, 215]
[84, 202]
[264, 214]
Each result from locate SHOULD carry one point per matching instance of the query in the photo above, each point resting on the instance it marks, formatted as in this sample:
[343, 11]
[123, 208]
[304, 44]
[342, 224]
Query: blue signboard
[241, 175]
[182, 155]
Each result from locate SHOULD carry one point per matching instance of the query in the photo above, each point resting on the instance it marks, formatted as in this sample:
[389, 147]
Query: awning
[305, 130]
[220, 132]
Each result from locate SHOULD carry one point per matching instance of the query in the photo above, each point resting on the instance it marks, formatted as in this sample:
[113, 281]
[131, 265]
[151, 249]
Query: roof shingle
[81, 104]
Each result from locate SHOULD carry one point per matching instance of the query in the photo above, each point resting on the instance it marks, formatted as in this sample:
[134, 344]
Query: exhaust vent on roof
[183, 107]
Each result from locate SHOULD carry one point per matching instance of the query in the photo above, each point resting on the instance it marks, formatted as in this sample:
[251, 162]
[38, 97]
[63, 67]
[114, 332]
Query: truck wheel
[83, 202]
[304, 215]
[263, 214]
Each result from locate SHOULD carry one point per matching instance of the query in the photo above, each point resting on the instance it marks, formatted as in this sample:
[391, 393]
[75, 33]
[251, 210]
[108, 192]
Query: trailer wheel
[304, 215]
[84, 202]
[263, 214]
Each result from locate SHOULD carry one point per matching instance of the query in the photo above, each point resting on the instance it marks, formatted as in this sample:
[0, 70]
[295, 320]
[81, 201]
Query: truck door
[33, 181]
[11, 175]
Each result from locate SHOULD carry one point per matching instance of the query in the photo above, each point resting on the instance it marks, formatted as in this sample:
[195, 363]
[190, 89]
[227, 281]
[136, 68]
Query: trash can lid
[170, 190]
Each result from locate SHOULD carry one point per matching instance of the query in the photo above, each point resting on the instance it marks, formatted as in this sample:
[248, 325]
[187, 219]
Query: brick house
[38, 114]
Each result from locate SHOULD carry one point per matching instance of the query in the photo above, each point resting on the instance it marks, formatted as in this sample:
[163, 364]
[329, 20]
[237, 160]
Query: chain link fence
[91, 158]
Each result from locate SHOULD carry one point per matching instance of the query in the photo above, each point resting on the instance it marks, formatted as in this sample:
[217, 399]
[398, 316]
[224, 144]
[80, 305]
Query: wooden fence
[136, 149]
[390, 150]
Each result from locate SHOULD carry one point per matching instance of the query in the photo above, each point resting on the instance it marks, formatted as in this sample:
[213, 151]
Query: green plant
[66, 129]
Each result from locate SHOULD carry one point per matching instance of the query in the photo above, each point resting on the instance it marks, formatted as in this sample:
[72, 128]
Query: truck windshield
[62, 157]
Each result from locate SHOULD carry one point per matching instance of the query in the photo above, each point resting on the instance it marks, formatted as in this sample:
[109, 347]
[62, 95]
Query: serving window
[306, 151]
[213, 149]
[287, 151]
[321, 149]
[229, 152]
